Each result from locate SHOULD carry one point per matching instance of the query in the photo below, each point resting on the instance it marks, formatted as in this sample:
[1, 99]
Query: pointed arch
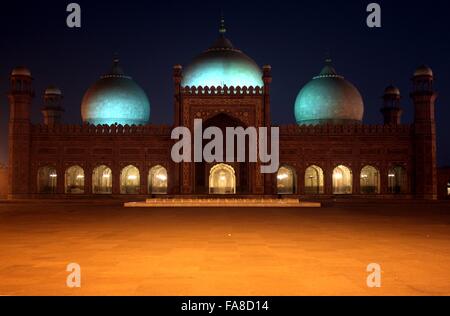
[102, 180]
[397, 180]
[130, 180]
[74, 180]
[370, 180]
[47, 178]
[157, 180]
[286, 180]
[314, 180]
[342, 180]
[222, 179]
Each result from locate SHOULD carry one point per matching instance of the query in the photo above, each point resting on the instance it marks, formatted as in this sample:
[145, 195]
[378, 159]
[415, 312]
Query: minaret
[20, 97]
[52, 109]
[424, 97]
[391, 109]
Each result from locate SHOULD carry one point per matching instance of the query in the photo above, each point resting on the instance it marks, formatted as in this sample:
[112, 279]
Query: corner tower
[20, 97]
[52, 109]
[424, 98]
[391, 109]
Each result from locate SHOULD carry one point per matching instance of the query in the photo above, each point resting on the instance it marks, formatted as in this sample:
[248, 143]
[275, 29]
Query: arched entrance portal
[242, 170]
[222, 179]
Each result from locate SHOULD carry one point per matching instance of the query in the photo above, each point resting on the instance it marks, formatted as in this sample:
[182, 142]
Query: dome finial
[116, 69]
[116, 59]
[222, 28]
[328, 70]
[328, 59]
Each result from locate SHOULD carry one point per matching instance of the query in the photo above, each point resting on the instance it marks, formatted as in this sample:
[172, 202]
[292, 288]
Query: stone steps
[227, 202]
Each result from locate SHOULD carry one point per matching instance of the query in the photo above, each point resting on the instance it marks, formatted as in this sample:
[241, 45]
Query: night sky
[294, 37]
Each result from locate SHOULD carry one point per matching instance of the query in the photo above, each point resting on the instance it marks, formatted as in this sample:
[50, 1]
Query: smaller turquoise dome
[115, 98]
[329, 99]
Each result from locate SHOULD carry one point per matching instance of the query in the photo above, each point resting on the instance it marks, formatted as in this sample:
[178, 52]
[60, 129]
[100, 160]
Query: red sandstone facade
[411, 147]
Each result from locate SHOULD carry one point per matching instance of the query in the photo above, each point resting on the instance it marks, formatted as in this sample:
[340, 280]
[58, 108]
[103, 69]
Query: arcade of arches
[223, 180]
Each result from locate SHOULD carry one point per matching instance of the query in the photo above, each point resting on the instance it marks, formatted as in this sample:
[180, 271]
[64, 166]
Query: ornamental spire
[222, 28]
[328, 59]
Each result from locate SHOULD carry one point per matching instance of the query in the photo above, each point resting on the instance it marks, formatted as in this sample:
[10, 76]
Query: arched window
[448, 188]
[370, 180]
[314, 180]
[102, 180]
[397, 180]
[342, 180]
[157, 180]
[130, 180]
[222, 179]
[47, 179]
[74, 180]
[286, 180]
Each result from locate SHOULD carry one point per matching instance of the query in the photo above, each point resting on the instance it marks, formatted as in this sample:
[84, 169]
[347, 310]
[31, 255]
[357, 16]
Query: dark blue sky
[293, 36]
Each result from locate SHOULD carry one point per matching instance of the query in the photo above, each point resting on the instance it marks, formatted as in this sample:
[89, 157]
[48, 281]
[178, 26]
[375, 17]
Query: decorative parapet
[108, 130]
[165, 130]
[238, 91]
[353, 129]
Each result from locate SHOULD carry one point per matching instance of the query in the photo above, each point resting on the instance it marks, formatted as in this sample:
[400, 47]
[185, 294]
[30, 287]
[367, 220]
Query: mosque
[328, 152]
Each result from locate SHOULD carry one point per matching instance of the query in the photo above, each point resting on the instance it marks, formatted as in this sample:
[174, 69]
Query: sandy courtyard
[224, 251]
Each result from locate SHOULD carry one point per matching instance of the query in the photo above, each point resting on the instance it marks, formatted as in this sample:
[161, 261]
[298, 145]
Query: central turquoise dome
[329, 99]
[115, 98]
[222, 65]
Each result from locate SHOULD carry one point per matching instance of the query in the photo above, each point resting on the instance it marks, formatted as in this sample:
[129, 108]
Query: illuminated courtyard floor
[210, 251]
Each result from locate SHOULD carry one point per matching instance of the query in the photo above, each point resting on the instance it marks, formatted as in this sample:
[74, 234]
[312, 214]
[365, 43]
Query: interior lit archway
[47, 179]
[157, 180]
[74, 180]
[130, 180]
[314, 180]
[397, 180]
[370, 180]
[102, 180]
[342, 180]
[286, 180]
[448, 188]
[222, 179]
